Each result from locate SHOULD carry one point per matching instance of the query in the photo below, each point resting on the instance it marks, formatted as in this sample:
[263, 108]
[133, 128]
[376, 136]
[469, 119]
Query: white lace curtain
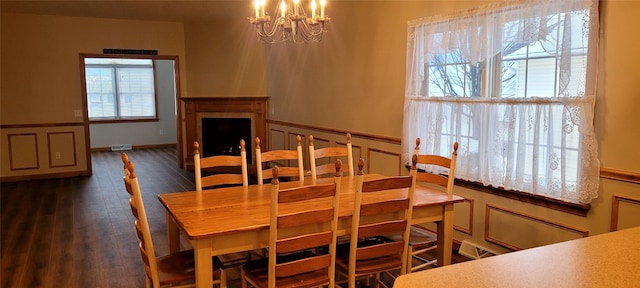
[541, 142]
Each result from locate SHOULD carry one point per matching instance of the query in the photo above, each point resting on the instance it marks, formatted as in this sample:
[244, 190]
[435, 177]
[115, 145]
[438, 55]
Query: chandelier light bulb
[256, 4]
[283, 8]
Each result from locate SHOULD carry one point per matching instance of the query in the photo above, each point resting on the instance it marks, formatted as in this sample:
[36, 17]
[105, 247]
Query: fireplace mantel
[195, 107]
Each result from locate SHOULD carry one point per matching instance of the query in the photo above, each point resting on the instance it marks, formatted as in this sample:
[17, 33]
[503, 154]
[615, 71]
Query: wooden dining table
[236, 219]
[604, 260]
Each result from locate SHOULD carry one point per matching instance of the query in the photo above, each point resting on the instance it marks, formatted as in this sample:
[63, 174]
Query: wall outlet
[161, 132]
[57, 155]
[77, 113]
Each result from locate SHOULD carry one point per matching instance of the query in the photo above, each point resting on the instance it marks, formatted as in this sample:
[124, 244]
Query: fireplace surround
[218, 124]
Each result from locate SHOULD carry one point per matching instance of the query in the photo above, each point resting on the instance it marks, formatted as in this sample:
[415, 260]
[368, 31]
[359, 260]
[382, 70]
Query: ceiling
[159, 10]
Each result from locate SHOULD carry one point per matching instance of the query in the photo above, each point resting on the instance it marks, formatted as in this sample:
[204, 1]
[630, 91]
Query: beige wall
[40, 60]
[225, 59]
[618, 90]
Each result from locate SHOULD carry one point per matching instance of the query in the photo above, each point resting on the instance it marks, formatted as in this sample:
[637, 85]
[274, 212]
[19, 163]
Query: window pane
[450, 75]
[436, 82]
[510, 78]
[100, 92]
[541, 76]
[136, 90]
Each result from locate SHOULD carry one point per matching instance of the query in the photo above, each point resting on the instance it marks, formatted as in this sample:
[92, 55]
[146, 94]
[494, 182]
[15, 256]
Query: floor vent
[121, 147]
[475, 251]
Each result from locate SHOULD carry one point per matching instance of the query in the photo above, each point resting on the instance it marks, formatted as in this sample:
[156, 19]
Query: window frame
[491, 87]
[118, 118]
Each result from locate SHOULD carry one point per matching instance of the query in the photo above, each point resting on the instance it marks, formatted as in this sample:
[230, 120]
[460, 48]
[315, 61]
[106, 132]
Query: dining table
[236, 219]
[605, 260]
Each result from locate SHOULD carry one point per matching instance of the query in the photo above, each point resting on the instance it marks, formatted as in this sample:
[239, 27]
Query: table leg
[445, 235]
[173, 235]
[204, 274]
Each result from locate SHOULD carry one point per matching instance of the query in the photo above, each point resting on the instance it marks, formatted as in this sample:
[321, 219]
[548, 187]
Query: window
[514, 84]
[120, 89]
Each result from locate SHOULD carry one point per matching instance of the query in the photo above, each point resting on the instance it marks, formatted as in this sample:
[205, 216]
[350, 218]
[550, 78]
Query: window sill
[550, 203]
[121, 120]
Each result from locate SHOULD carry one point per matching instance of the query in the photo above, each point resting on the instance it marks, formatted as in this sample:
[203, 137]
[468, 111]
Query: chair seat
[180, 267]
[419, 238]
[257, 271]
[366, 266]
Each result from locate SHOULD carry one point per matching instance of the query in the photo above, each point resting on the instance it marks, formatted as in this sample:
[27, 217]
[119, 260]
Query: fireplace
[220, 134]
[218, 124]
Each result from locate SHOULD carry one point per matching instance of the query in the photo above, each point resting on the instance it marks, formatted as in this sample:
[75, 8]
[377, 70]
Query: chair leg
[243, 281]
[223, 278]
[409, 260]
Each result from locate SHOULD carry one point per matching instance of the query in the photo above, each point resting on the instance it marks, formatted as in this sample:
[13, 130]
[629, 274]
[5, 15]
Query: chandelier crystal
[290, 22]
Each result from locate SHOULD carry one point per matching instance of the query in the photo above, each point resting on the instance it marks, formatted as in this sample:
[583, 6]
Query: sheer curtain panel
[514, 84]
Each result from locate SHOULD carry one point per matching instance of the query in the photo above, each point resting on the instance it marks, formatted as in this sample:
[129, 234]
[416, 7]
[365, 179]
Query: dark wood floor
[79, 232]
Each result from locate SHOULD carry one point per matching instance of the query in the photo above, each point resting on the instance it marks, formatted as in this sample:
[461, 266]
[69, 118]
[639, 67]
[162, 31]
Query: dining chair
[439, 175]
[266, 160]
[316, 156]
[222, 168]
[302, 237]
[172, 270]
[382, 207]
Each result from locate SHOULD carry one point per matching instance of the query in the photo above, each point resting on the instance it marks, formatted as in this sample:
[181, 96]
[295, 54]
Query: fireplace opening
[221, 136]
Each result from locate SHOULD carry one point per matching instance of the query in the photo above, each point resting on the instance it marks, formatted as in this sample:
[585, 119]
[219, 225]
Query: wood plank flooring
[79, 232]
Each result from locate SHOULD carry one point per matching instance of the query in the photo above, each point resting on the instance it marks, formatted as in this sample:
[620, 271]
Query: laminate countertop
[605, 260]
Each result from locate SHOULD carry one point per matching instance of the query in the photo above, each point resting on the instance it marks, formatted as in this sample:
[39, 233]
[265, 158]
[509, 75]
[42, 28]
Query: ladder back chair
[382, 207]
[302, 237]
[223, 164]
[277, 157]
[221, 170]
[173, 270]
[318, 170]
[422, 240]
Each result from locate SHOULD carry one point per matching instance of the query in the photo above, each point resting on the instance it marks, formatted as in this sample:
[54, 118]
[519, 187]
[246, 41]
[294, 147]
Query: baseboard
[11, 179]
[133, 147]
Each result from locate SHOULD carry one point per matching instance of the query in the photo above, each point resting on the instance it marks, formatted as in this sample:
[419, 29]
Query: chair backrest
[142, 225]
[318, 170]
[379, 211]
[303, 218]
[443, 165]
[278, 157]
[219, 167]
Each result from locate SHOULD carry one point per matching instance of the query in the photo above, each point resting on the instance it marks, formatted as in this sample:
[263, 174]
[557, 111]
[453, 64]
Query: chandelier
[290, 23]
